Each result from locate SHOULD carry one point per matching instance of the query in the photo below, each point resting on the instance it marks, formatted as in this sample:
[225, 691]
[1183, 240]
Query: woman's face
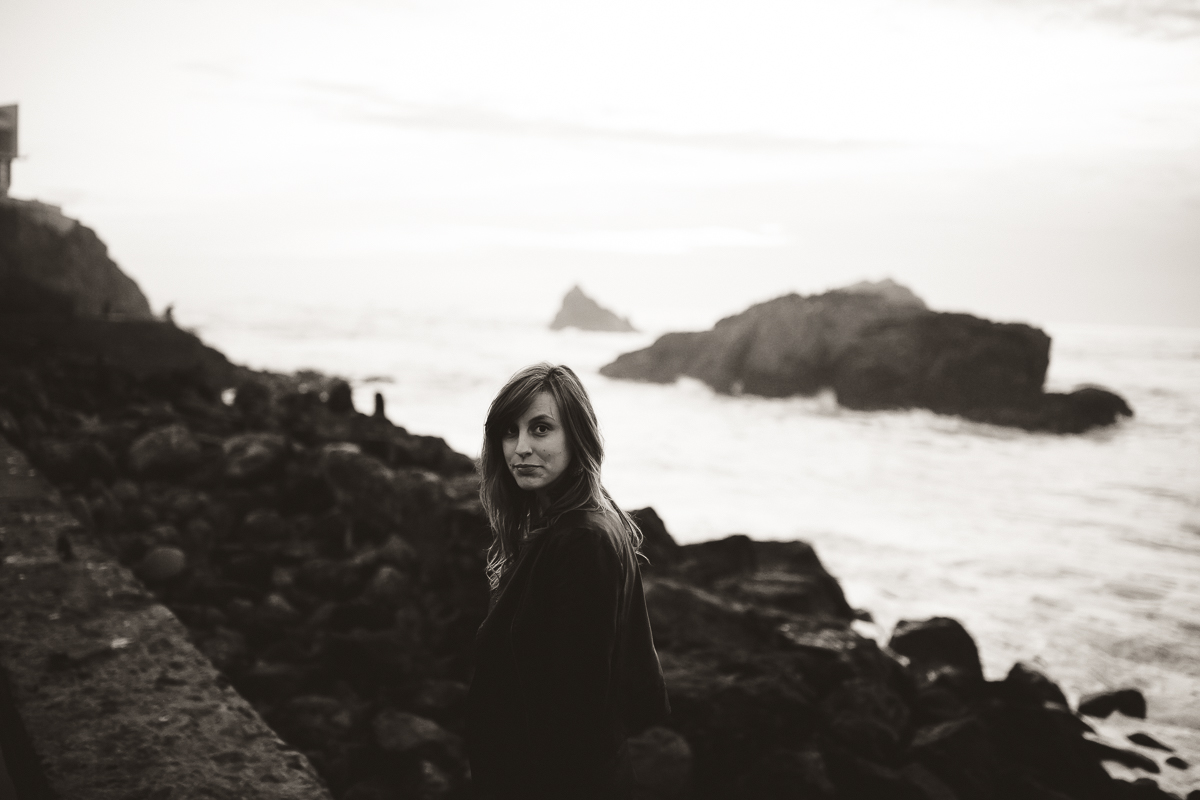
[535, 446]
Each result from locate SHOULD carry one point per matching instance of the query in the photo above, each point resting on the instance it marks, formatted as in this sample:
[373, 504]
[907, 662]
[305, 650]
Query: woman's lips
[525, 467]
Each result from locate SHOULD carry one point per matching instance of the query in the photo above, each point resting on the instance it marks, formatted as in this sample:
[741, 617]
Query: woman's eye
[510, 432]
[541, 429]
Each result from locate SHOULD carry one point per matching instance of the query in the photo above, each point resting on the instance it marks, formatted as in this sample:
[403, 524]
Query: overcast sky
[1034, 161]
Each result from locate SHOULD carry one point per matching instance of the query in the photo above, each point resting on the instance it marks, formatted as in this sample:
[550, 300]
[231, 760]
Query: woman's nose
[524, 447]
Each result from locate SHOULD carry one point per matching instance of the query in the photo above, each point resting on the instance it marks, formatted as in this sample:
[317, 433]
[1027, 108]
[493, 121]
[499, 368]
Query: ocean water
[1078, 554]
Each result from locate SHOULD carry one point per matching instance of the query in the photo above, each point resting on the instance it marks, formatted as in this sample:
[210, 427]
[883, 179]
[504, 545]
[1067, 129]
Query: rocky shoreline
[329, 564]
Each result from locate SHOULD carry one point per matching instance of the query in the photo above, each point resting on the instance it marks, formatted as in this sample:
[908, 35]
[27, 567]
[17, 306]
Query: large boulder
[939, 649]
[51, 263]
[580, 311]
[877, 347]
[167, 451]
[250, 456]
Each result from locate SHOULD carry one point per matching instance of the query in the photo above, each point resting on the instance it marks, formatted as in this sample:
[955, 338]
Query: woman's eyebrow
[542, 418]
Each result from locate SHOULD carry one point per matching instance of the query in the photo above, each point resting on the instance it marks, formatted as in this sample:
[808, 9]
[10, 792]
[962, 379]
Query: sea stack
[877, 346]
[580, 311]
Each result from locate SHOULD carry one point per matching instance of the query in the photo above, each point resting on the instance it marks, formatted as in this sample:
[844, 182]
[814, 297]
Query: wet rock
[662, 764]
[164, 452]
[1177, 762]
[1026, 684]
[1146, 740]
[938, 647]
[253, 456]
[1129, 702]
[1128, 758]
[161, 564]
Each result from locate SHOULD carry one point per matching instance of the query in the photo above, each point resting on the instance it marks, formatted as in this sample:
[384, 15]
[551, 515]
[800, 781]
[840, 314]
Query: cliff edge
[50, 263]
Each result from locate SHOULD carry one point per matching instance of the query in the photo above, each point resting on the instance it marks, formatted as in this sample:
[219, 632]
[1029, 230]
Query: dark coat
[565, 671]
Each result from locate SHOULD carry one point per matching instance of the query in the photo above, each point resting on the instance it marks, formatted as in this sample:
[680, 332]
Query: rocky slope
[580, 311]
[49, 262]
[877, 347]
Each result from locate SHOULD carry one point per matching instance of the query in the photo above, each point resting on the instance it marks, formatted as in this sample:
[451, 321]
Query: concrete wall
[114, 700]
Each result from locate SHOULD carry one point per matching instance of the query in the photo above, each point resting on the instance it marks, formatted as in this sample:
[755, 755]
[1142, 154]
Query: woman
[565, 666]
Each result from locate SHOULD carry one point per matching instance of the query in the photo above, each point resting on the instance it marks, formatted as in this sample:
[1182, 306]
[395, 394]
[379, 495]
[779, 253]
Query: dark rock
[50, 263]
[264, 525]
[580, 311]
[935, 645]
[401, 732]
[1146, 740]
[877, 350]
[1047, 743]
[251, 456]
[164, 452]
[732, 713]
[161, 564]
[685, 617]
[1025, 684]
[253, 400]
[707, 562]
[869, 719]
[341, 398]
[658, 546]
[787, 774]
[1128, 758]
[960, 753]
[1129, 702]
[389, 587]
[662, 764]
[74, 461]
[1177, 762]
[379, 407]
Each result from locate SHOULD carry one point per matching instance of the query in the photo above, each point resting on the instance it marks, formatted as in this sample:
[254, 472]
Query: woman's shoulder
[585, 530]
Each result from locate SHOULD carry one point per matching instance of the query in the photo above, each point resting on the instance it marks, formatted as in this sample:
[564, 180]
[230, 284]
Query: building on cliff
[8, 146]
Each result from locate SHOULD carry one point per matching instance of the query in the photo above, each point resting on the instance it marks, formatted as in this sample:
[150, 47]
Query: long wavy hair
[513, 512]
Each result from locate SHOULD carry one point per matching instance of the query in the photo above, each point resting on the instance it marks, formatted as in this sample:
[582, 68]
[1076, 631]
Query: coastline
[329, 564]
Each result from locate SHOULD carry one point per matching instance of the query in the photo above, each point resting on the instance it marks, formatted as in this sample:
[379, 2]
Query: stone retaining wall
[115, 701]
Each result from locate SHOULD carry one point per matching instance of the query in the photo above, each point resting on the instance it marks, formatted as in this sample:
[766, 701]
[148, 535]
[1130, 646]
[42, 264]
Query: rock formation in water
[331, 565]
[51, 263]
[580, 311]
[877, 346]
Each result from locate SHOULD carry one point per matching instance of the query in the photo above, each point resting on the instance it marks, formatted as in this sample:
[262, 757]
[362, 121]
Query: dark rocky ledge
[878, 347]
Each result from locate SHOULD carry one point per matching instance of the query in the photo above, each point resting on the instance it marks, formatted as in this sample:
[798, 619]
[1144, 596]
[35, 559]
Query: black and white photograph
[656, 400]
